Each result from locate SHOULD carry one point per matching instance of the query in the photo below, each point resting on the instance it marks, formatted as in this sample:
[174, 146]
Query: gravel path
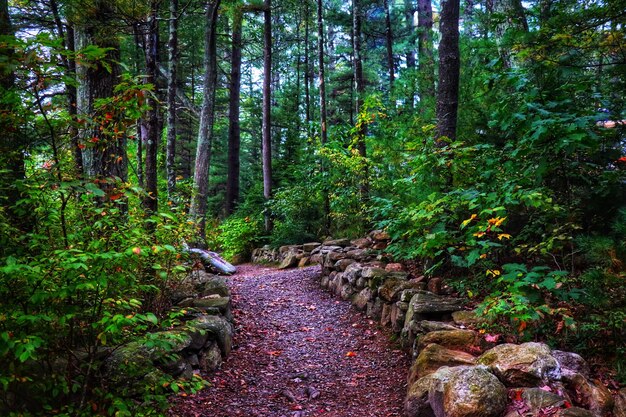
[300, 352]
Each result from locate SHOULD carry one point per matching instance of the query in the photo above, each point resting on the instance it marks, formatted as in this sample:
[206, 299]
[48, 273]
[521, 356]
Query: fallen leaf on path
[350, 354]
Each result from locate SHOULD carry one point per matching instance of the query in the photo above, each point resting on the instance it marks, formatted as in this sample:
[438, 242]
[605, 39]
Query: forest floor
[298, 351]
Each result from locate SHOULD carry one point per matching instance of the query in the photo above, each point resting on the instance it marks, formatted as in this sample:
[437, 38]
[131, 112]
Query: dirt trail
[300, 352]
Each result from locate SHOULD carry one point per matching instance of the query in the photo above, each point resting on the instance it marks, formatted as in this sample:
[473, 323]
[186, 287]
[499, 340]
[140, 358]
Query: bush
[239, 235]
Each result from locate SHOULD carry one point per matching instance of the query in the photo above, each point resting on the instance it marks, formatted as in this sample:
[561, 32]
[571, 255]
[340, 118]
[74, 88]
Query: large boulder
[470, 391]
[416, 402]
[433, 357]
[526, 365]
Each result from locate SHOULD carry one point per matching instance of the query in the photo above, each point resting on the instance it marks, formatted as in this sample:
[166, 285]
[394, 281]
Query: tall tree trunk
[322, 78]
[172, 88]
[151, 137]
[66, 34]
[359, 89]
[425, 55]
[307, 70]
[389, 44]
[106, 158]
[234, 130]
[207, 117]
[449, 68]
[409, 12]
[11, 152]
[267, 110]
[513, 17]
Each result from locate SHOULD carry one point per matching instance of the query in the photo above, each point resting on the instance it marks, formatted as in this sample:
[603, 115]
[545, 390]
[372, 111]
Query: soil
[298, 351]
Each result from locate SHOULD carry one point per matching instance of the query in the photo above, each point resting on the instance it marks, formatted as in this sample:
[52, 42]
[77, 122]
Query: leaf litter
[298, 352]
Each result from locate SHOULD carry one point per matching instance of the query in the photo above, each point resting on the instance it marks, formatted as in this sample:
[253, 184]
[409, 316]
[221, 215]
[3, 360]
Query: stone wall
[458, 371]
[200, 343]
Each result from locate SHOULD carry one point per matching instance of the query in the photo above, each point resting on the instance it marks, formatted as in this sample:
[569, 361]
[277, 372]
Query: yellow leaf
[503, 236]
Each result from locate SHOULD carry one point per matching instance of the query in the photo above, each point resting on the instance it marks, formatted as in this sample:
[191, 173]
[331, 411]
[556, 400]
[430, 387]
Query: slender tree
[389, 45]
[207, 117]
[172, 91]
[234, 129]
[11, 152]
[359, 88]
[425, 54]
[409, 13]
[322, 78]
[449, 68]
[267, 110]
[151, 132]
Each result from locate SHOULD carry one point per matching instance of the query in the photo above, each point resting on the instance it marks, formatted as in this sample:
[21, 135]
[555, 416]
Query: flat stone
[459, 339]
[424, 302]
[342, 264]
[311, 246]
[433, 357]
[289, 261]
[362, 243]
[362, 298]
[337, 242]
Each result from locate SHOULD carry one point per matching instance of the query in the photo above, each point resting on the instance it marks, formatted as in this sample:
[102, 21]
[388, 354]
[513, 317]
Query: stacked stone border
[457, 371]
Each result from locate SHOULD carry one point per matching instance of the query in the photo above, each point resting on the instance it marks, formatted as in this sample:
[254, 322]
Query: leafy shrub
[239, 235]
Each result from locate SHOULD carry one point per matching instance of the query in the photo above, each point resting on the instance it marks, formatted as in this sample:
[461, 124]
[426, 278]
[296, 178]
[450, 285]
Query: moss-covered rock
[526, 365]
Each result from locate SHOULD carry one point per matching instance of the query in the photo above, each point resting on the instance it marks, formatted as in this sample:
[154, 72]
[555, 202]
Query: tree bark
[172, 91]
[234, 129]
[425, 54]
[389, 44]
[322, 89]
[449, 68]
[409, 11]
[207, 117]
[513, 17]
[151, 136]
[359, 87]
[11, 152]
[307, 70]
[106, 158]
[267, 110]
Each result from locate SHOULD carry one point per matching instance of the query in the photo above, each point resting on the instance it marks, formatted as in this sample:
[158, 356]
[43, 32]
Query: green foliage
[297, 216]
[239, 235]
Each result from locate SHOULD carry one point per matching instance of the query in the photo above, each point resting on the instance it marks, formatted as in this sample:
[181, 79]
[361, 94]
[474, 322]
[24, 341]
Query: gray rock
[469, 391]
[537, 399]
[358, 254]
[311, 246]
[433, 357]
[353, 272]
[571, 363]
[424, 302]
[342, 264]
[362, 298]
[416, 402]
[373, 272]
[526, 365]
[464, 340]
[289, 261]
[337, 242]
[218, 328]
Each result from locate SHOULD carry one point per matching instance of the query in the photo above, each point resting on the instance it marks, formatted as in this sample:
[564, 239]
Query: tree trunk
[425, 55]
[234, 130]
[207, 117]
[513, 18]
[409, 11]
[449, 67]
[389, 44]
[322, 89]
[11, 153]
[307, 70]
[267, 97]
[151, 137]
[359, 87]
[105, 157]
[172, 90]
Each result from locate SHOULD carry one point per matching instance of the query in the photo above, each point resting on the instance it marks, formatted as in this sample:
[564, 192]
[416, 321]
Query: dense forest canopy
[488, 138]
